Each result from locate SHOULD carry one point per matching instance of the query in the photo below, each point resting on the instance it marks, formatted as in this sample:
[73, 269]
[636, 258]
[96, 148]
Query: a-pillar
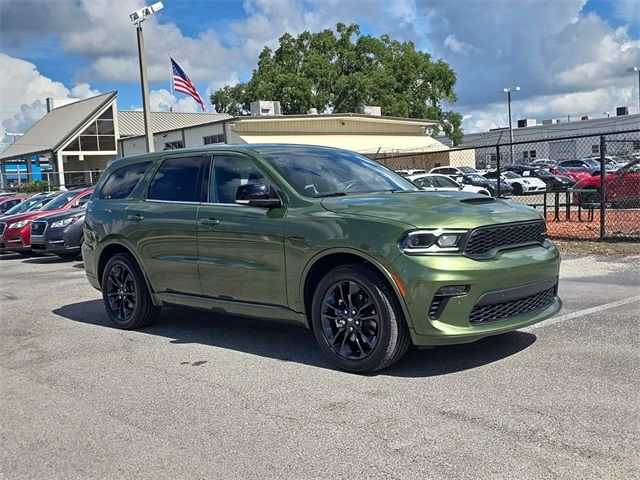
[60, 168]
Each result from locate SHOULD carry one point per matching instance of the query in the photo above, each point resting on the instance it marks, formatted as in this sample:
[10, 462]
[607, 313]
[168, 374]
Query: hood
[422, 209]
[72, 212]
[27, 216]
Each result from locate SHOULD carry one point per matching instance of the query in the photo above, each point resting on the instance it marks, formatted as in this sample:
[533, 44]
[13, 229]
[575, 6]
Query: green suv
[317, 236]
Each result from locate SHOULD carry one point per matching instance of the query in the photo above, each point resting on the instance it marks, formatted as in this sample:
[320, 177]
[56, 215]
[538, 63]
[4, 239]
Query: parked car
[9, 201]
[582, 165]
[554, 183]
[410, 172]
[544, 162]
[490, 184]
[622, 187]
[32, 203]
[454, 171]
[435, 182]
[575, 175]
[318, 236]
[520, 184]
[15, 230]
[59, 233]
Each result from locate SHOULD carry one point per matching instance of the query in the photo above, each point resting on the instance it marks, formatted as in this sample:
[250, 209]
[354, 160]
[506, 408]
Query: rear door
[162, 226]
[241, 248]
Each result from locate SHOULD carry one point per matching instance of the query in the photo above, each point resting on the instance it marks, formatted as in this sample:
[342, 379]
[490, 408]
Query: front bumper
[16, 239]
[54, 240]
[423, 276]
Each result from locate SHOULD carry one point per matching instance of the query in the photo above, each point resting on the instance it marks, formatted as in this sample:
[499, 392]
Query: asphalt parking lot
[208, 396]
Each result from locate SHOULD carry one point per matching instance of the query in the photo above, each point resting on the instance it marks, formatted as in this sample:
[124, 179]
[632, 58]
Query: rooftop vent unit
[312, 111]
[527, 122]
[584, 117]
[264, 107]
[622, 111]
[369, 110]
[59, 102]
[551, 121]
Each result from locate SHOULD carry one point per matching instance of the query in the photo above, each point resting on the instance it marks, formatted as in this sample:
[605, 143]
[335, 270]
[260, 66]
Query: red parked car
[15, 231]
[622, 187]
[11, 201]
[576, 175]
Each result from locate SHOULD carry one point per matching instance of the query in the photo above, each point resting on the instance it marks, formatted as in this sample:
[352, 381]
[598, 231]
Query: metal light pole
[137, 18]
[508, 92]
[637, 70]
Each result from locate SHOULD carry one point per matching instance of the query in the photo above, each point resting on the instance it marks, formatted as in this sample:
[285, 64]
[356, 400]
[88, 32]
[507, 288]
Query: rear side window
[122, 182]
[177, 180]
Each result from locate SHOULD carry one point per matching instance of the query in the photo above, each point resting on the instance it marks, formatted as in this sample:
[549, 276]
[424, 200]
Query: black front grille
[486, 240]
[38, 228]
[514, 308]
[2, 227]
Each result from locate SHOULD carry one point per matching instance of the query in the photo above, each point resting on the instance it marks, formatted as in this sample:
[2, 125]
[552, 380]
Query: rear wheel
[517, 189]
[357, 321]
[125, 293]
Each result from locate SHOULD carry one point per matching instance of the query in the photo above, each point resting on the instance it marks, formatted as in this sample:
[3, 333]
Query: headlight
[19, 224]
[420, 242]
[65, 222]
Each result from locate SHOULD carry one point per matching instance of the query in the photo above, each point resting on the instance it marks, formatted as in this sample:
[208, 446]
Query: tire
[125, 294]
[368, 341]
[517, 189]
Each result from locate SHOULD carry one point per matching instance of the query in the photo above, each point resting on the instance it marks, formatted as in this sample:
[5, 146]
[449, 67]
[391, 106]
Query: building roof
[57, 126]
[131, 123]
[369, 144]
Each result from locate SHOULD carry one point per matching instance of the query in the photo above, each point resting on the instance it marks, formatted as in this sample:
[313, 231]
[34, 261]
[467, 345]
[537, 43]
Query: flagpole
[171, 81]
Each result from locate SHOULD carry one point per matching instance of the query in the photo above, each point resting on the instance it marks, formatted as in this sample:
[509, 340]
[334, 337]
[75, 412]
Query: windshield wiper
[329, 194]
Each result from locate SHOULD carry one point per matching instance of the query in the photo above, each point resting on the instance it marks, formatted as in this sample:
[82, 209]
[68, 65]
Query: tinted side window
[444, 182]
[177, 180]
[229, 173]
[425, 182]
[122, 182]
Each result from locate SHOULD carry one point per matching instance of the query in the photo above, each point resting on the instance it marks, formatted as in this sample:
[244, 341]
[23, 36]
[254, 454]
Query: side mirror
[257, 195]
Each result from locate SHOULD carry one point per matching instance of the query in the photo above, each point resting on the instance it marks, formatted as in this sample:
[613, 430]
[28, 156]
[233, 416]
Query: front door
[241, 248]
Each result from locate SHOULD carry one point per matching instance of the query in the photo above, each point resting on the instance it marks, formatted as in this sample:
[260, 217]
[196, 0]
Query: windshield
[465, 169]
[478, 178]
[24, 206]
[510, 175]
[316, 172]
[59, 202]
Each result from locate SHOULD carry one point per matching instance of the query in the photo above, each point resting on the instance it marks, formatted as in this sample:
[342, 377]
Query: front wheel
[125, 293]
[357, 320]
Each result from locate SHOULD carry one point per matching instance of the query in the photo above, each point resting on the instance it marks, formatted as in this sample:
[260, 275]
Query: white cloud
[162, 100]
[24, 92]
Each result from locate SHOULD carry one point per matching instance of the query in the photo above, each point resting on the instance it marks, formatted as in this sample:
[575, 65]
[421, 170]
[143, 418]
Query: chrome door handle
[211, 222]
[135, 218]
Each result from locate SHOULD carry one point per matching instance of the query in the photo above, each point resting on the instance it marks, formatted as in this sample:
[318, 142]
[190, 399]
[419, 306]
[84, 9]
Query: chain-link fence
[587, 187]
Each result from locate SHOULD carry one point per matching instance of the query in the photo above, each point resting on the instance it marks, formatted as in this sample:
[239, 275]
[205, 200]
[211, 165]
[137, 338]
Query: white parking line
[580, 313]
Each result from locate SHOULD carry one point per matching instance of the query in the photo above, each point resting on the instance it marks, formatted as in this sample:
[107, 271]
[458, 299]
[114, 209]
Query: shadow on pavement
[290, 343]
[50, 259]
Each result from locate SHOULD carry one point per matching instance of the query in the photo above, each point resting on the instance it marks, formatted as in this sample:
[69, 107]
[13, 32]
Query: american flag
[182, 83]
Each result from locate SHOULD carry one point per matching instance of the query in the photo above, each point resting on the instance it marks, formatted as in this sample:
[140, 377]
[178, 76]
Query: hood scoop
[479, 200]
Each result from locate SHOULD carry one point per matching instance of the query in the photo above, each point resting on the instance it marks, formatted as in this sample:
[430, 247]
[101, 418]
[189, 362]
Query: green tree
[342, 70]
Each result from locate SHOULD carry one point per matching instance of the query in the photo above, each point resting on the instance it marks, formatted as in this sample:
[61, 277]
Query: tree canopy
[342, 72]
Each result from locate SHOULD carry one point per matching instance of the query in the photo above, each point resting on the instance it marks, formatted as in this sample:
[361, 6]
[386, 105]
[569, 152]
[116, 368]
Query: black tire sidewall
[384, 304]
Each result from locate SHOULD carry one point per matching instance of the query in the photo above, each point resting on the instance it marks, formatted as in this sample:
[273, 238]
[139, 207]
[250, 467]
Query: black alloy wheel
[125, 293]
[350, 320]
[121, 292]
[357, 320]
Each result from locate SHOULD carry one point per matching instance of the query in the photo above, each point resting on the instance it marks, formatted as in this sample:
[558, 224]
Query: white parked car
[520, 184]
[434, 182]
[411, 171]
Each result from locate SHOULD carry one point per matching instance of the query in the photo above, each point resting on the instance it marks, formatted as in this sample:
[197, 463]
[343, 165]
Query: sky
[569, 57]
